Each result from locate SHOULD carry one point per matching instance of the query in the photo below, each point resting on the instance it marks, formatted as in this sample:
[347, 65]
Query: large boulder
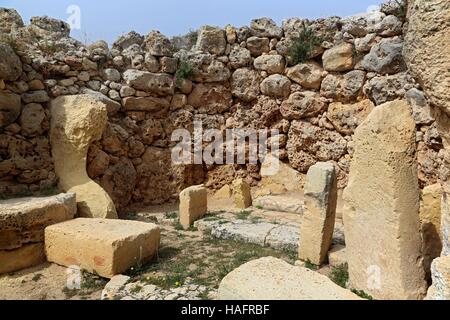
[212, 40]
[347, 117]
[10, 108]
[210, 98]
[301, 105]
[440, 271]
[73, 129]
[308, 75]
[245, 84]
[10, 64]
[343, 88]
[339, 58]
[158, 45]
[158, 83]
[9, 20]
[386, 57]
[276, 85]
[265, 27]
[48, 28]
[271, 63]
[382, 231]
[270, 278]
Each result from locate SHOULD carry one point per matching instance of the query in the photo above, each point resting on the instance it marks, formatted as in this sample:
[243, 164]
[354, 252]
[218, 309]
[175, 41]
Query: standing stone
[242, 194]
[430, 224]
[76, 122]
[193, 205]
[316, 230]
[381, 207]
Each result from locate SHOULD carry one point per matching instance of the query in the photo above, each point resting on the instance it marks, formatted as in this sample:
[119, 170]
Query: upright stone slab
[193, 205]
[242, 194]
[381, 207]
[77, 121]
[316, 230]
[104, 246]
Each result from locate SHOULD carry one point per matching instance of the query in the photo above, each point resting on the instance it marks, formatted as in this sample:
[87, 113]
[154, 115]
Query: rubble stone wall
[241, 78]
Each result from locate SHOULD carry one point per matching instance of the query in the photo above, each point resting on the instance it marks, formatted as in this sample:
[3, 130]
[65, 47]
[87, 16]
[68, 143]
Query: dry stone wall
[242, 77]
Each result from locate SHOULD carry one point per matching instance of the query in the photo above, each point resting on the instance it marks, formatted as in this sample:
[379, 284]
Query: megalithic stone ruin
[381, 207]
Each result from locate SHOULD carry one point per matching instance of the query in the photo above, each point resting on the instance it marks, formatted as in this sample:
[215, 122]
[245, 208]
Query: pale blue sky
[106, 20]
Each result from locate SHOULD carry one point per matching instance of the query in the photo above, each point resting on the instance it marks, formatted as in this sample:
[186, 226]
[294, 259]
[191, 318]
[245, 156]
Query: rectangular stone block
[242, 194]
[27, 256]
[103, 246]
[317, 225]
[193, 205]
[23, 220]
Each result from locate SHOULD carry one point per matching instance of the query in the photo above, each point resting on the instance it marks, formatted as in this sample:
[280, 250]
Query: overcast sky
[106, 20]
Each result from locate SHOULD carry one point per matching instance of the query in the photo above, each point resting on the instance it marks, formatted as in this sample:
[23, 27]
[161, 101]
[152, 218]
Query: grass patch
[89, 284]
[362, 294]
[339, 275]
[310, 265]
[171, 215]
[255, 219]
[303, 46]
[243, 215]
[184, 71]
[259, 207]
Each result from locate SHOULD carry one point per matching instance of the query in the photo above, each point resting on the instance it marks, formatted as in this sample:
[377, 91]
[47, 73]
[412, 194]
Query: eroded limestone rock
[77, 121]
[381, 208]
[241, 194]
[316, 231]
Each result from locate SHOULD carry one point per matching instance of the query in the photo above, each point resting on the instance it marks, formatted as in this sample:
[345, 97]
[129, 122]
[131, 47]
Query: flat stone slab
[23, 220]
[282, 203]
[106, 247]
[27, 256]
[270, 278]
[265, 234]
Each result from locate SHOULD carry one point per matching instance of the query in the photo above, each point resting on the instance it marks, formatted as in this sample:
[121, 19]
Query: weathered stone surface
[265, 27]
[158, 83]
[257, 46]
[440, 271]
[343, 88]
[48, 28]
[347, 117]
[382, 229]
[73, 129]
[9, 20]
[27, 256]
[210, 98]
[239, 57]
[114, 247]
[245, 84]
[111, 106]
[127, 40]
[276, 85]
[10, 64]
[150, 104]
[382, 89]
[22, 221]
[282, 203]
[212, 40]
[427, 48]
[303, 105]
[308, 144]
[273, 279]
[430, 224]
[206, 67]
[241, 194]
[39, 96]
[31, 119]
[337, 256]
[193, 205]
[308, 75]
[386, 57]
[9, 108]
[421, 108]
[275, 171]
[316, 232]
[158, 45]
[339, 58]
[271, 63]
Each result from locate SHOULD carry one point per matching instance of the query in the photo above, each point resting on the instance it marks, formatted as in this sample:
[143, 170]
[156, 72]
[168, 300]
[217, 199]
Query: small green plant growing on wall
[303, 46]
[184, 71]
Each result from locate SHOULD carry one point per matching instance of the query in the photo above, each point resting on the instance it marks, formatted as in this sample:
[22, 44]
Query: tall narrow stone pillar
[77, 121]
[316, 231]
[381, 207]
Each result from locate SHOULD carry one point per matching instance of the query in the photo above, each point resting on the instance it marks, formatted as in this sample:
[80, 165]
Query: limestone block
[23, 220]
[381, 206]
[270, 278]
[337, 255]
[104, 246]
[224, 193]
[440, 272]
[242, 194]
[193, 205]
[274, 171]
[430, 224]
[339, 58]
[27, 256]
[316, 231]
[77, 121]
